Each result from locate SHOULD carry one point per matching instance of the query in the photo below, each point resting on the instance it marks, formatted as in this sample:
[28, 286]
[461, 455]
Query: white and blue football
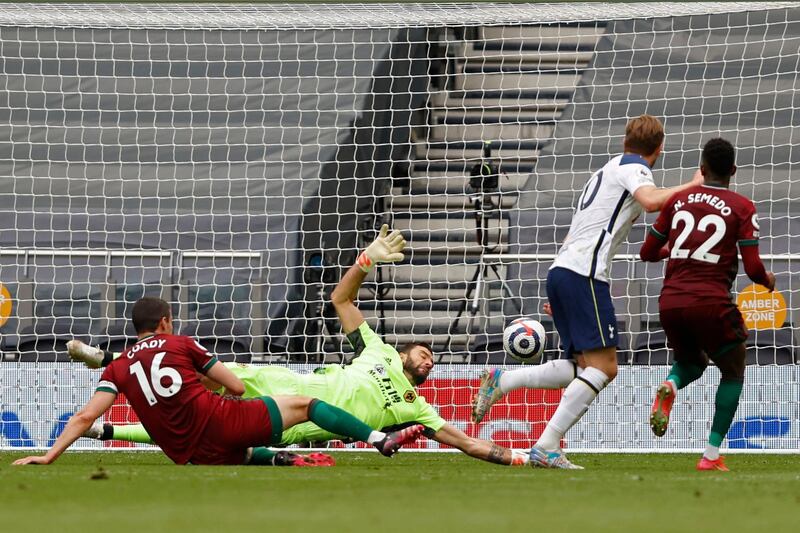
[524, 340]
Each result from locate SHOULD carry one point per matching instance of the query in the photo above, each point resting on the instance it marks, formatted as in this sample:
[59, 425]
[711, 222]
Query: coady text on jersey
[152, 343]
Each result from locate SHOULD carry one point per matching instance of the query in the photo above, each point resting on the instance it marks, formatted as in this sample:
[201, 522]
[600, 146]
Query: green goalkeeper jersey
[373, 388]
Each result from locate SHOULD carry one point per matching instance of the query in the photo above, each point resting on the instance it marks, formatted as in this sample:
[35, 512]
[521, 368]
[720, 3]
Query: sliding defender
[159, 376]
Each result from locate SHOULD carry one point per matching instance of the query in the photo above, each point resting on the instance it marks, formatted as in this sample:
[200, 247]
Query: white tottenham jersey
[603, 217]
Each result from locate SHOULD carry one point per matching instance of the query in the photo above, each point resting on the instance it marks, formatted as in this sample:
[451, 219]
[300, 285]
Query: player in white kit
[578, 290]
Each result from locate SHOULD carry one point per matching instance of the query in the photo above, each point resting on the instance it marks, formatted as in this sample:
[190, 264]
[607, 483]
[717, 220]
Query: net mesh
[233, 159]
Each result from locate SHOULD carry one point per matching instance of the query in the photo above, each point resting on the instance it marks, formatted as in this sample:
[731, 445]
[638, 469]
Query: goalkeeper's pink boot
[708, 464]
[397, 439]
[662, 406]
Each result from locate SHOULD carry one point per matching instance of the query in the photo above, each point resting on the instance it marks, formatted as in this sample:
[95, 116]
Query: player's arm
[655, 247]
[477, 448]
[221, 375]
[209, 383]
[77, 425]
[652, 198]
[654, 250]
[207, 364]
[754, 267]
[387, 248]
[343, 299]
[747, 237]
[656, 242]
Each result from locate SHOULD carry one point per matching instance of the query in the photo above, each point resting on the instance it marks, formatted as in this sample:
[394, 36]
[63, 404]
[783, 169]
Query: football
[524, 340]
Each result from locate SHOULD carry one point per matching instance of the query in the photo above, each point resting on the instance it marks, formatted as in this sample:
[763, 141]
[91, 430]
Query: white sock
[577, 398]
[376, 436]
[712, 452]
[555, 374]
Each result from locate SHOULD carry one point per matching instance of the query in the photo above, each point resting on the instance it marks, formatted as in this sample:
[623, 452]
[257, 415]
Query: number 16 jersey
[703, 225]
[158, 375]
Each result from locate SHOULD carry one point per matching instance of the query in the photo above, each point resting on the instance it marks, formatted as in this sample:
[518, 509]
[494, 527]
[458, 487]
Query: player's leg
[683, 373]
[592, 332]
[726, 401]
[496, 382]
[257, 456]
[127, 432]
[729, 354]
[91, 356]
[684, 370]
[295, 410]
[557, 374]
[600, 368]
[691, 361]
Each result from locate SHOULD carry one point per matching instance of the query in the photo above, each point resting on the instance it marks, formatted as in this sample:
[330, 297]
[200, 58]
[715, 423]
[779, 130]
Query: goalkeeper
[378, 386]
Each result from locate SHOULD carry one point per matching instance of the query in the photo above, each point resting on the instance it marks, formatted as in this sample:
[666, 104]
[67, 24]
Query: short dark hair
[407, 347]
[148, 312]
[643, 135]
[719, 158]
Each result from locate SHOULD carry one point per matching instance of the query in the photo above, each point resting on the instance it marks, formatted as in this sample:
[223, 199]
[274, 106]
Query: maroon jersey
[158, 376]
[704, 224]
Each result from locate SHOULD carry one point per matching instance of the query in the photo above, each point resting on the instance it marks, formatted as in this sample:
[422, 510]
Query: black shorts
[714, 329]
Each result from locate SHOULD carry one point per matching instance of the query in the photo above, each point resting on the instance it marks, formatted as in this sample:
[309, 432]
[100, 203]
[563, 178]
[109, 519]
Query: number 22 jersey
[703, 225]
[158, 377]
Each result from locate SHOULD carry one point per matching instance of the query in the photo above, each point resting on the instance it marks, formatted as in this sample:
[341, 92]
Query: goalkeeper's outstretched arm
[343, 299]
[387, 248]
[478, 448]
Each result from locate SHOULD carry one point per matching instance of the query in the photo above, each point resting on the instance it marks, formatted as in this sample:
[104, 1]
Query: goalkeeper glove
[387, 248]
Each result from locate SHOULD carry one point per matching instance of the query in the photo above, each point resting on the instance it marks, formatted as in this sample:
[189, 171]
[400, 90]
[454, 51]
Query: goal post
[234, 158]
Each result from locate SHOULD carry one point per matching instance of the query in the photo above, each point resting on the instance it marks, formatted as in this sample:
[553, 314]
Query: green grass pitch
[411, 492]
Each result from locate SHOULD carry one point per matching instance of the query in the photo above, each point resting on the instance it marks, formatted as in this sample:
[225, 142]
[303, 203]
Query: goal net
[233, 159]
